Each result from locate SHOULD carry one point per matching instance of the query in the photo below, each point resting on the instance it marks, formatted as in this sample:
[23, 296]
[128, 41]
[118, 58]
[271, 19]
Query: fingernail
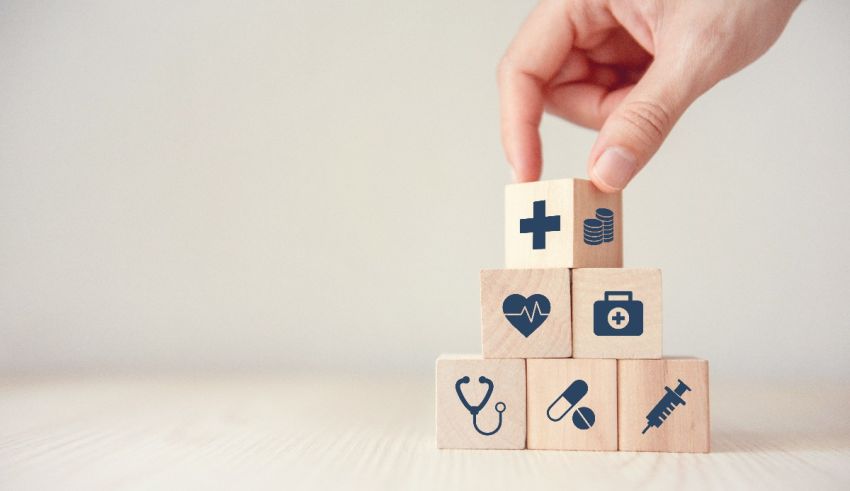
[513, 173]
[615, 167]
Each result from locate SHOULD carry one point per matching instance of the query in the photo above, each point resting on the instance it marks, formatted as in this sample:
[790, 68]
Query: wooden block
[559, 416]
[606, 323]
[545, 225]
[525, 313]
[645, 386]
[480, 425]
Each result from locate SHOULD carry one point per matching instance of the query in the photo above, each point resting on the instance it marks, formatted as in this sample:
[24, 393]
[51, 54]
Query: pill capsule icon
[569, 398]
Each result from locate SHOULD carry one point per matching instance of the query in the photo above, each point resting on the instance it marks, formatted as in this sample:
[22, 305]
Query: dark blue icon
[618, 317]
[665, 406]
[474, 410]
[539, 224]
[526, 314]
[600, 229]
[583, 417]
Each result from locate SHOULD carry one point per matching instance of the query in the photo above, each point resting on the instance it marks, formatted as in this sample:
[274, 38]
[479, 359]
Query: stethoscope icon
[474, 410]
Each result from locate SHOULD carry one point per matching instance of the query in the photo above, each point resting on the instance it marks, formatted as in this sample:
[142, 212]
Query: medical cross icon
[539, 224]
[618, 318]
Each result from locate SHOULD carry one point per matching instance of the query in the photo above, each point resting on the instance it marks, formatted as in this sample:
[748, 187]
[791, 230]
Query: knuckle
[646, 120]
[509, 69]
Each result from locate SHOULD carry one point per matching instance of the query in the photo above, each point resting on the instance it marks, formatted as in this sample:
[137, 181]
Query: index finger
[535, 55]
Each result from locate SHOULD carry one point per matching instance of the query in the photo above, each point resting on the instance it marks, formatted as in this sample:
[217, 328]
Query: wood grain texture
[642, 385]
[376, 431]
[589, 286]
[547, 380]
[455, 427]
[574, 200]
[500, 339]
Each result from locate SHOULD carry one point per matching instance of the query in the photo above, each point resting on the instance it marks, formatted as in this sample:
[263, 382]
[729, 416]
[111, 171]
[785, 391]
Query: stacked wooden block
[571, 340]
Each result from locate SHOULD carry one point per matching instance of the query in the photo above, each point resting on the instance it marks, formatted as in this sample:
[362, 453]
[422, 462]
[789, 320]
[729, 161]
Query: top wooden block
[565, 223]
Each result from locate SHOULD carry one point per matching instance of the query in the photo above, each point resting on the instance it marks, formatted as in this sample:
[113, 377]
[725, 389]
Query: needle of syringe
[647, 427]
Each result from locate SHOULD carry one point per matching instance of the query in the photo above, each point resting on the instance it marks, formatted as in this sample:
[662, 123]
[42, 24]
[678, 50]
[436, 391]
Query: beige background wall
[315, 185]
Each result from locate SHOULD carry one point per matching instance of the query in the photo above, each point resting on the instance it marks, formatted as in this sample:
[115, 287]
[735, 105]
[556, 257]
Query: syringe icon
[665, 406]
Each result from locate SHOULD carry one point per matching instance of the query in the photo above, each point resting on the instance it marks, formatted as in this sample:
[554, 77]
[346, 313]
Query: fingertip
[602, 185]
[526, 174]
[613, 169]
[523, 150]
[528, 169]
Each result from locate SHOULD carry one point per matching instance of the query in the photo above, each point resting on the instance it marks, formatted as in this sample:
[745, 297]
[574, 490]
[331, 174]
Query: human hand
[626, 68]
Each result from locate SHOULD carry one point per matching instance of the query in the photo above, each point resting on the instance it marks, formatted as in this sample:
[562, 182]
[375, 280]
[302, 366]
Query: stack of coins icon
[600, 229]
[594, 231]
[605, 216]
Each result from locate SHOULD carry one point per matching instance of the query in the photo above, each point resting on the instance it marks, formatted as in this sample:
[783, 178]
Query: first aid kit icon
[618, 315]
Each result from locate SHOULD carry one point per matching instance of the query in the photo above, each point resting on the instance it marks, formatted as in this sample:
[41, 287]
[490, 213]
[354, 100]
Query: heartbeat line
[536, 310]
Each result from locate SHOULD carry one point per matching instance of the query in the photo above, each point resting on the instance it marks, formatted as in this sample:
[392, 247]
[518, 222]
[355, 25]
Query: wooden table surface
[343, 431]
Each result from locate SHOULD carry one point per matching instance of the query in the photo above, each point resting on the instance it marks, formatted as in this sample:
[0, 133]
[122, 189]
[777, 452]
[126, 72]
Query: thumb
[637, 127]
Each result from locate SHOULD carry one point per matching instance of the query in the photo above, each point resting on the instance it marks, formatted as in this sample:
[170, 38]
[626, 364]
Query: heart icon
[526, 314]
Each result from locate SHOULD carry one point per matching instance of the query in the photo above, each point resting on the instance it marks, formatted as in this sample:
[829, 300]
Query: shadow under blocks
[571, 340]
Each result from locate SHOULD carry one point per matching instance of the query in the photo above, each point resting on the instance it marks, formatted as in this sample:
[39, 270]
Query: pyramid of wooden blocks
[571, 340]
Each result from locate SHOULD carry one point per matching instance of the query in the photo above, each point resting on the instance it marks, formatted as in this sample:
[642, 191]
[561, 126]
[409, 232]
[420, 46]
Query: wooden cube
[480, 402]
[648, 391]
[572, 404]
[616, 313]
[565, 223]
[525, 313]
